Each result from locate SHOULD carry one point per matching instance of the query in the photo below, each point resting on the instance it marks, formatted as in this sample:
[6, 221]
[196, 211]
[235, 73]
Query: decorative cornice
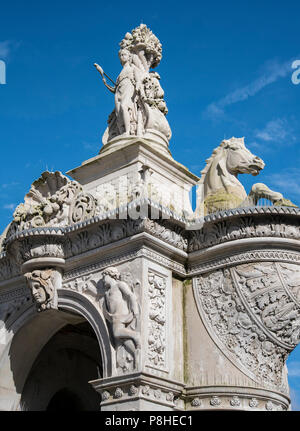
[218, 228]
[250, 256]
[133, 254]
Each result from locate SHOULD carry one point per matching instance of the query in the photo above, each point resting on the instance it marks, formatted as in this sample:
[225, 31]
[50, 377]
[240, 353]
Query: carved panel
[157, 336]
[250, 334]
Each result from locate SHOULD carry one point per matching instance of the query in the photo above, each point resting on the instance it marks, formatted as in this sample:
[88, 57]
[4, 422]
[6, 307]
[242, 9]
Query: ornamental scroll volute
[252, 312]
[47, 203]
[53, 201]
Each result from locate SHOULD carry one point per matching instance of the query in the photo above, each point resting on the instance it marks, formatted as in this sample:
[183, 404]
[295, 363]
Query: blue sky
[226, 71]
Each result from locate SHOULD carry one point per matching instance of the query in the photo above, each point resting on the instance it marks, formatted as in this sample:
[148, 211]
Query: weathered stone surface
[113, 275]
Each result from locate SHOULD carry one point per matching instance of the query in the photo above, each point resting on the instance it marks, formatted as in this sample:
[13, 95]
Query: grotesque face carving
[41, 286]
[38, 292]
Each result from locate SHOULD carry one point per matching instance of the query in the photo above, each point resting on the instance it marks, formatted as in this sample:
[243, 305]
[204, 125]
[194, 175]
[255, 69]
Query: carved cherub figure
[121, 309]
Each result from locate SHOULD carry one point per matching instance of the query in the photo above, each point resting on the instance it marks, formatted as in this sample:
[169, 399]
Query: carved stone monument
[116, 295]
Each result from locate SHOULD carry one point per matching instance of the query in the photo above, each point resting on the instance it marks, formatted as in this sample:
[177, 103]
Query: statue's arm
[100, 70]
[130, 296]
[142, 57]
[112, 89]
[138, 82]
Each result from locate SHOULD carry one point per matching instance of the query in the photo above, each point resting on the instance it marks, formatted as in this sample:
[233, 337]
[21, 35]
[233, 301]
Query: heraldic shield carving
[252, 311]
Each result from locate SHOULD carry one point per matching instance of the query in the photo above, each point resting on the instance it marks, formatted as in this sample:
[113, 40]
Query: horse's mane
[210, 160]
[216, 152]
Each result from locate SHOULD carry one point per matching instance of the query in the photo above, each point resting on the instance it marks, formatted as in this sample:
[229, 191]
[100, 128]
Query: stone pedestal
[138, 170]
[139, 392]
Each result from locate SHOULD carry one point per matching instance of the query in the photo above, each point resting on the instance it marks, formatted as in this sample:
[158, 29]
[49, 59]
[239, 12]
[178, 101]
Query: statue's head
[41, 286]
[141, 39]
[239, 160]
[110, 272]
[124, 56]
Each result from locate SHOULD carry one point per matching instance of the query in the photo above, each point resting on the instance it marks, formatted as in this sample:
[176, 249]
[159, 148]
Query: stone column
[243, 309]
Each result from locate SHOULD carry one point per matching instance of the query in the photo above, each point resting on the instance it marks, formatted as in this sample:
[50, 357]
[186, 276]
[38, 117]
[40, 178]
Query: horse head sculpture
[219, 187]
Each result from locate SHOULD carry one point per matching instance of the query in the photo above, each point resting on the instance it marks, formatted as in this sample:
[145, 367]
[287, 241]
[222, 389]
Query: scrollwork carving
[47, 202]
[157, 320]
[244, 338]
[83, 208]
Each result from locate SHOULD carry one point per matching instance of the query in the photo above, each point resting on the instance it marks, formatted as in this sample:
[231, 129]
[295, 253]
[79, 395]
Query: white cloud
[276, 131]
[5, 49]
[286, 182]
[9, 185]
[272, 71]
[10, 207]
[91, 146]
[295, 399]
[294, 369]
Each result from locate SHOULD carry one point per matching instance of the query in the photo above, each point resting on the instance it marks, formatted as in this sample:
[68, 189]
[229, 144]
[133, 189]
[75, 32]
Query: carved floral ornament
[235, 402]
[157, 321]
[253, 313]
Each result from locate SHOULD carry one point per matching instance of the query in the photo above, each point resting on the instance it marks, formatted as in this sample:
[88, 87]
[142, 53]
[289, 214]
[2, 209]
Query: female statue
[125, 90]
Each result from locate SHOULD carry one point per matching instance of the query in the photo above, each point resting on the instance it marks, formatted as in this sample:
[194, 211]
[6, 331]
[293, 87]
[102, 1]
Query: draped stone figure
[140, 108]
[121, 309]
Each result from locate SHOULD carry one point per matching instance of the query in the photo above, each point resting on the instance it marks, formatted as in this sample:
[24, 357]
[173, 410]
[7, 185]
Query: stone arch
[75, 302]
[28, 332]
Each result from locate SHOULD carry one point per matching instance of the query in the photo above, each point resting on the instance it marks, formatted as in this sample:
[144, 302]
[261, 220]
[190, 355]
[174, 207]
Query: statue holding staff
[126, 92]
[140, 108]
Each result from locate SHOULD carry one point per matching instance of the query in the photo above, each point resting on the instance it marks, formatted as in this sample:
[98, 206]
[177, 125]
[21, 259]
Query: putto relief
[121, 309]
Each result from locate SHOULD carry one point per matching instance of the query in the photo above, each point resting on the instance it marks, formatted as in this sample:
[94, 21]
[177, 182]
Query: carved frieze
[8, 268]
[37, 246]
[225, 401]
[10, 307]
[270, 225]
